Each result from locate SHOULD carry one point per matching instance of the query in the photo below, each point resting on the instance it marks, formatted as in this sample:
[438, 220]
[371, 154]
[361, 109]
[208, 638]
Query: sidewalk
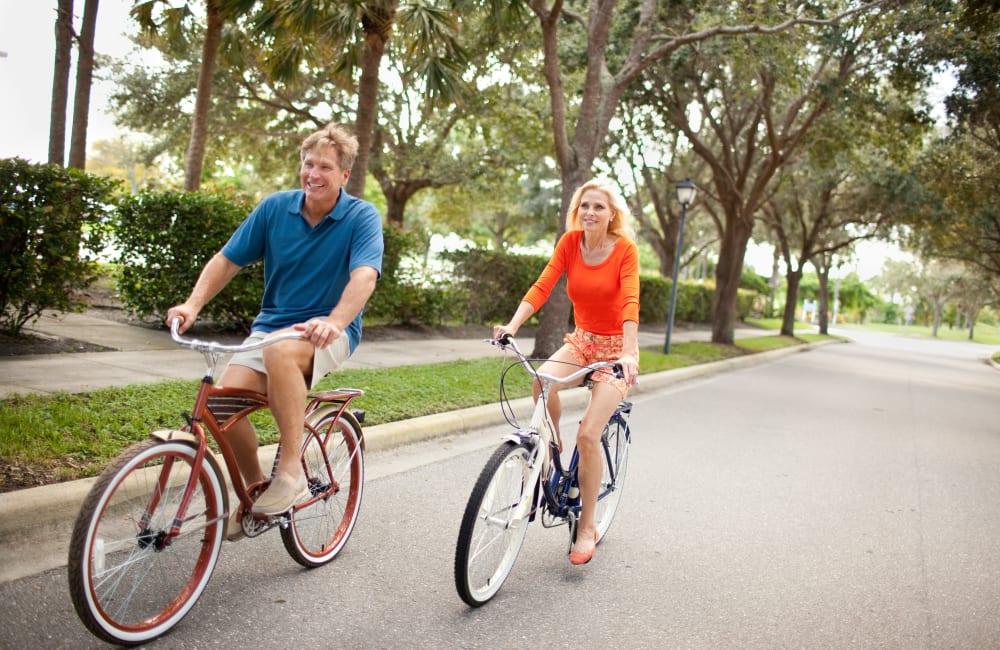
[146, 355]
[36, 523]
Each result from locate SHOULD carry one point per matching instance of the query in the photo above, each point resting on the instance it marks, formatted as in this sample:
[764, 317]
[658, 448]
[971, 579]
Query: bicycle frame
[149, 532]
[547, 472]
[217, 409]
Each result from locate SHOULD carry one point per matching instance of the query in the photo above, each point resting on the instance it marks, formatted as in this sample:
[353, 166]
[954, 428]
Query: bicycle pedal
[255, 528]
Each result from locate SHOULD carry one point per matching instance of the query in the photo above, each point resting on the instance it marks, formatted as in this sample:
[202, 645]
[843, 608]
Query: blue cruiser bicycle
[525, 479]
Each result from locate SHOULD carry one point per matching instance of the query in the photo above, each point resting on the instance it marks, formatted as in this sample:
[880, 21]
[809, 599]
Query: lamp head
[686, 191]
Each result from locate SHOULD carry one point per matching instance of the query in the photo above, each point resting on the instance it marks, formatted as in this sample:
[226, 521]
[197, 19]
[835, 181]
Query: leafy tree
[976, 290]
[938, 283]
[959, 215]
[760, 108]
[427, 32]
[126, 159]
[651, 32]
[657, 158]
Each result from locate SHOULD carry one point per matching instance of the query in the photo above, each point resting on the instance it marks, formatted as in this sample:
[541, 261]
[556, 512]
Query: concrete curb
[36, 523]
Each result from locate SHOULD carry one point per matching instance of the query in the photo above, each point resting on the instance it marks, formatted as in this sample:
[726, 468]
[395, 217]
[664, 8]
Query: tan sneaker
[280, 496]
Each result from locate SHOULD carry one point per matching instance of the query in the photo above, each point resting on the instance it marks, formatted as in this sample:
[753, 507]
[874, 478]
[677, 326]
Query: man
[322, 252]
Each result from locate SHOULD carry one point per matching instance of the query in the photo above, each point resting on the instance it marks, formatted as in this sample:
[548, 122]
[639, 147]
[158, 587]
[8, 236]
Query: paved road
[848, 497]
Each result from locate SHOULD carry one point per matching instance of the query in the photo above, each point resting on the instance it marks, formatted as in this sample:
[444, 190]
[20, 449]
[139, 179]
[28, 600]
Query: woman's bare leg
[604, 400]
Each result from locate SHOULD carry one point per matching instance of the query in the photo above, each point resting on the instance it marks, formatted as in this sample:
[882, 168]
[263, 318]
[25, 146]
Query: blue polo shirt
[306, 268]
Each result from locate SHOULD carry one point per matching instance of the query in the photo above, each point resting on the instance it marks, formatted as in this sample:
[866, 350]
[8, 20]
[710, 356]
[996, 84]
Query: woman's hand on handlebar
[500, 330]
[630, 368]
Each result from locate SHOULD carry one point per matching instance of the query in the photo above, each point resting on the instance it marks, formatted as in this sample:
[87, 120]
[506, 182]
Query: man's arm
[214, 277]
[322, 331]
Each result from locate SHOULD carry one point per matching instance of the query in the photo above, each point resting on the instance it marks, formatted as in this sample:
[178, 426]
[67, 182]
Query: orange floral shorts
[587, 348]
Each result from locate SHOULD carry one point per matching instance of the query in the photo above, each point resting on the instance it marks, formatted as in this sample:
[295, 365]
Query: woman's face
[594, 213]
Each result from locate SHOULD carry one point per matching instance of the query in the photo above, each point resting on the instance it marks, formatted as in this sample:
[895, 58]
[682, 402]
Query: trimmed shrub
[492, 283]
[654, 298]
[395, 300]
[694, 301]
[53, 224]
[165, 238]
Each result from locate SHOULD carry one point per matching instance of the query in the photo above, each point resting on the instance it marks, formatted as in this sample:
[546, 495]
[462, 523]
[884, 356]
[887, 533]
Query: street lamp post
[685, 195]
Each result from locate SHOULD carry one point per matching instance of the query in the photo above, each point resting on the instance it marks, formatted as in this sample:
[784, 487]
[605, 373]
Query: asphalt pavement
[36, 523]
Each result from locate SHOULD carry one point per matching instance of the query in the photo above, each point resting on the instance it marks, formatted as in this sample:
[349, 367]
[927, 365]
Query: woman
[601, 263]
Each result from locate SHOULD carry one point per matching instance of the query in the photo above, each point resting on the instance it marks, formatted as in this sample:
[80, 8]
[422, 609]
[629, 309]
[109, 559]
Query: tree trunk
[397, 195]
[377, 24]
[60, 82]
[203, 98]
[554, 318]
[793, 278]
[732, 250]
[824, 300]
[773, 283]
[84, 82]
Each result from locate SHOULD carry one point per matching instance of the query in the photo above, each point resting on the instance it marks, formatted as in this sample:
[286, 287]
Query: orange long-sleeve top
[604, 296]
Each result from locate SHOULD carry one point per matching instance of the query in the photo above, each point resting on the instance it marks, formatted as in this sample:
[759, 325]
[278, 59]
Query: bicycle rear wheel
[615, 446]
[128, 583]
[494, 524]
[335, 471]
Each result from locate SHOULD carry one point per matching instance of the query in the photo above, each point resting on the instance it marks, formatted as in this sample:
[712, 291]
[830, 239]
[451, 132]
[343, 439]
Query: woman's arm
[523, 313]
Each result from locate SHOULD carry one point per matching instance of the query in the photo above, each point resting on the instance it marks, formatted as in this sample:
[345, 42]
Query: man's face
[321, 175]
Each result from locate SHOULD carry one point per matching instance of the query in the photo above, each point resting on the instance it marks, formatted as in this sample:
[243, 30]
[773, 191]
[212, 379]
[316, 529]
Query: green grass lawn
[986, 334]
[69, 436]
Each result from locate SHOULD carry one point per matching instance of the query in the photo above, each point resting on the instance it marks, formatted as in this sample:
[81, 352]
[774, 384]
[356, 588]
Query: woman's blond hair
[621, 217]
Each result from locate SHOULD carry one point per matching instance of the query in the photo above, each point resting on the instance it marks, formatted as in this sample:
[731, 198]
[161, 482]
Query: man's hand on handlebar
[318, 331]
[186, 313]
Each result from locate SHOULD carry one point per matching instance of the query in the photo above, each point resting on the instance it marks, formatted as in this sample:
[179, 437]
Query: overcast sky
[27, 38]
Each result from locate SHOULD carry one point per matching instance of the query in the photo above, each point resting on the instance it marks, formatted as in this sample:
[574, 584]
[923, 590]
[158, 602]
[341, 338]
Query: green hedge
[55, 220]
[491, 283]
[53, 224]
[164, 240]
[694, 301]
[401, 300]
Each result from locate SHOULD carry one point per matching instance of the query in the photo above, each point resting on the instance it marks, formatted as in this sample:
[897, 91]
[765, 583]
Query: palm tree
[160, 19]
[429, 34]
[60, 82]
[84, 81]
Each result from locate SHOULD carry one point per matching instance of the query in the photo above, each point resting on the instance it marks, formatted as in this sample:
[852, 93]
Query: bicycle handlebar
[507, 341]
[214, 347]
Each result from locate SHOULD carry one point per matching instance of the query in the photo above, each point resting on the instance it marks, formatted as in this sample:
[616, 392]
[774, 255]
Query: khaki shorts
[325, 361]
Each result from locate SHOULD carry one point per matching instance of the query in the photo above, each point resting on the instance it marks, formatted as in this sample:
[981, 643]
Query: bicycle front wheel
[128, 580]
[494, 524]
[335, 471]
[614, 446]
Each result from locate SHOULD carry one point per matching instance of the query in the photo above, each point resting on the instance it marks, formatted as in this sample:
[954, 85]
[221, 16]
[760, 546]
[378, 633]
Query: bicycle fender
[520, 437]
[173, 434]
[337, 410]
